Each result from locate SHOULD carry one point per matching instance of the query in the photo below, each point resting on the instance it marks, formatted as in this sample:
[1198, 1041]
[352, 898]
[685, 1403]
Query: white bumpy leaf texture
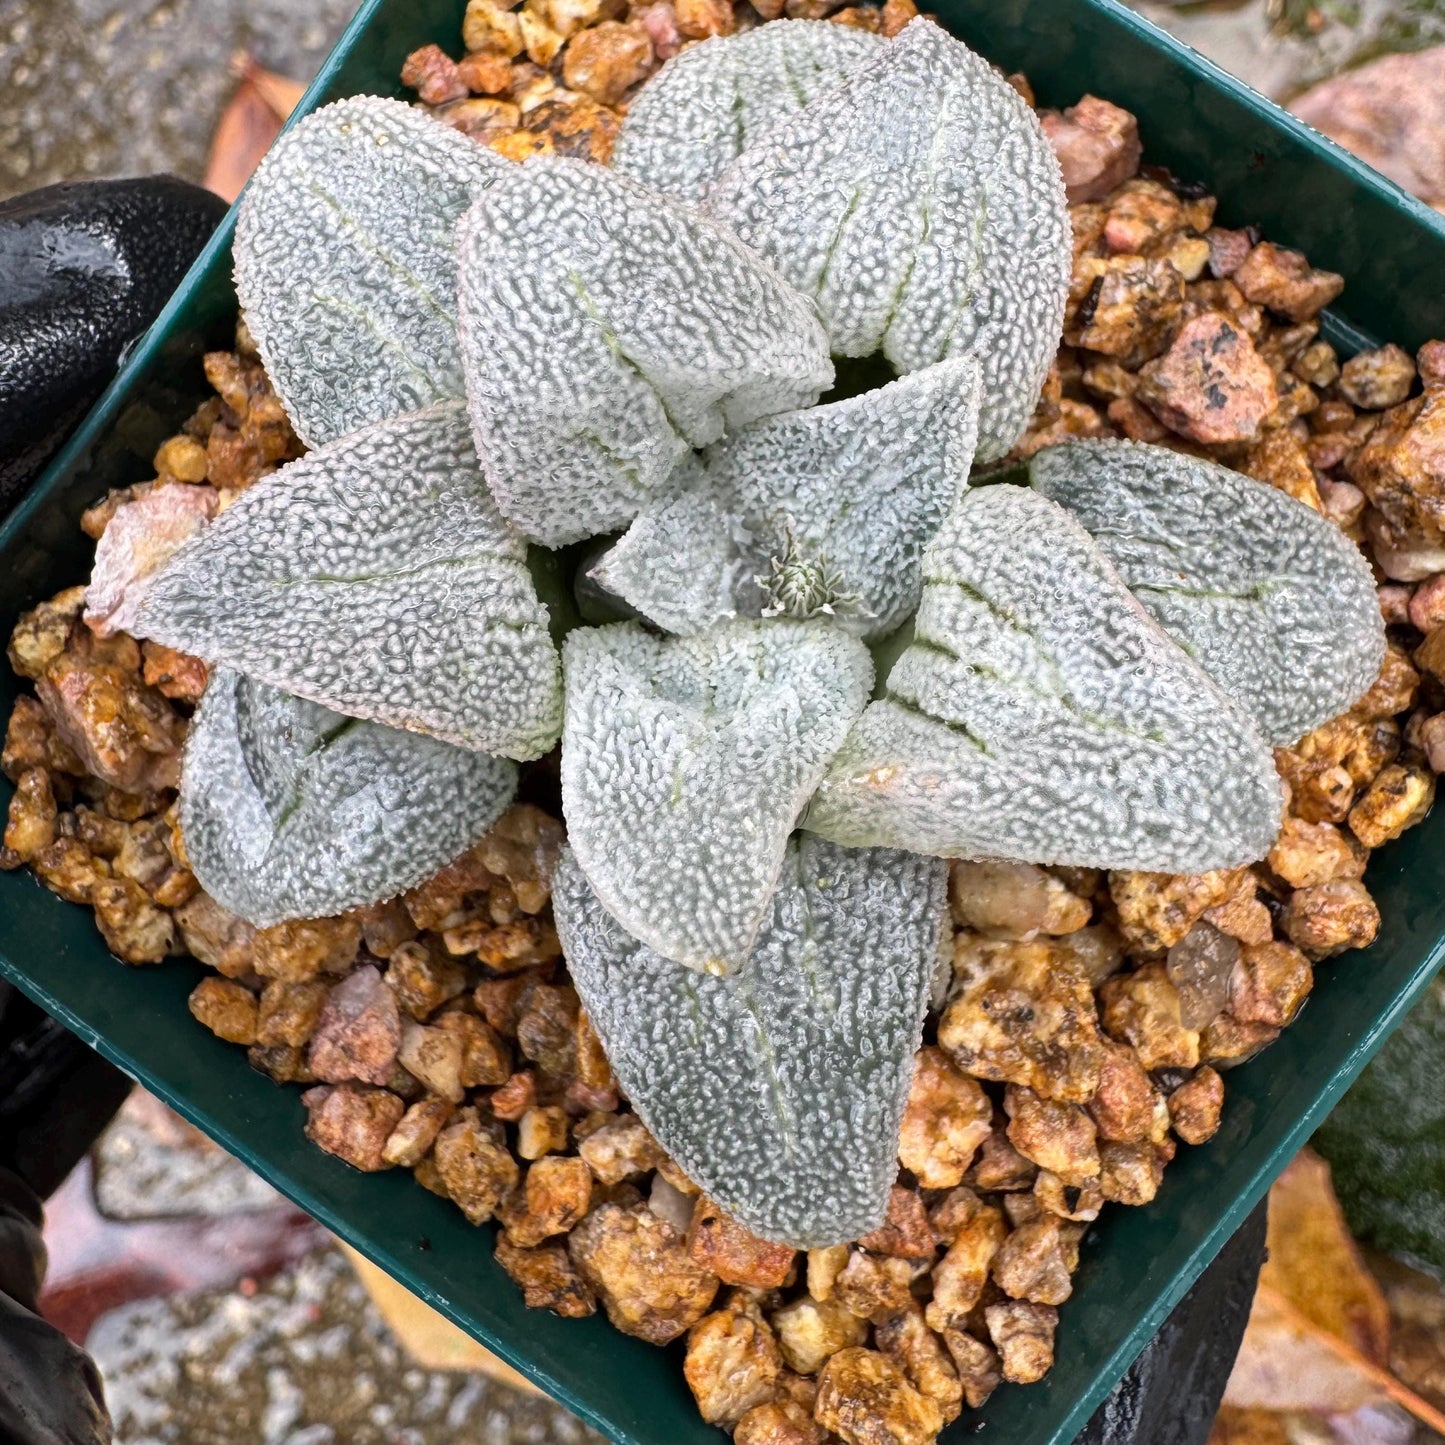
[375, 576]
[290, 810]
[606, 333]
[685, 763]
[853, 491]
[346, 265]
[780, 1090]
[1041, 714]
[921, 206]
[1271, 599]
[714, 100]
[683, 564]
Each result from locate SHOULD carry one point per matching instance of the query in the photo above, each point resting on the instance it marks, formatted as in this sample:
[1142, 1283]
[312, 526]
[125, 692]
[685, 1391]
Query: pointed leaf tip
[376, 577]
[822, 510]
[780, 1090]
[289, 810]
[685, 762]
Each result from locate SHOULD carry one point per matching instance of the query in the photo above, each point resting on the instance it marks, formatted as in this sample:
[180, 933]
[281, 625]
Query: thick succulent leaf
[685, 763]
[921, 206]
[376, 577]
[606, 333]
[710, 103]
[823, 509]
[1041, 714]
[778, 1090]
[290, 810]
[346, 267]
[686, 564]
[1272, 600]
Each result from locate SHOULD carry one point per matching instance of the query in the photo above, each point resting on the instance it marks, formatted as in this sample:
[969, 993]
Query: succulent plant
[1041, 714]
[1272, 600]
[773, 1077]
[685, 764]
[375, 576]
[720, 98]
[306, 813]
[346, 263]
[493, 361]
[824, 511]
[607, 333]
[921, 206]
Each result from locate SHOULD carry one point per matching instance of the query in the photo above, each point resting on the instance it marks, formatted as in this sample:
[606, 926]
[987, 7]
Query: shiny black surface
[84, 268]
[1171, 1392]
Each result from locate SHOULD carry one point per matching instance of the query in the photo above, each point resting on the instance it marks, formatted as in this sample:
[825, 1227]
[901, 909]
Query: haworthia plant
[1269, 597]
[290, 810]
[629, 359]
[921, 206]
[834, 502]
[376, 577]
[779, 1090]
[606, 333]
[345, 256]
[1041, 714]
[685, 762]
[715, 100]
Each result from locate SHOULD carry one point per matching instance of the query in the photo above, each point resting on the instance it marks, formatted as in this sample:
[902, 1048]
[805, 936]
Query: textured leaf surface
[1272, 600]
[921, 206]
[685, 564]
[853, 490]
[1041, 714]
[685, 762]
[606, 333]
[375, 576]
[345, 257]
[290, 810]
[779, 1090]
[709, 104]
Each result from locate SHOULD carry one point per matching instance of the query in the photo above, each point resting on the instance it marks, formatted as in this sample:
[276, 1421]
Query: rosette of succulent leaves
[831, 664]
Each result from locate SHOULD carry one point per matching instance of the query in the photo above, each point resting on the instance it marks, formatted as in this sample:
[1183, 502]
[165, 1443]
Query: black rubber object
[1172, 1391]
[84, 268]
[56, 1095]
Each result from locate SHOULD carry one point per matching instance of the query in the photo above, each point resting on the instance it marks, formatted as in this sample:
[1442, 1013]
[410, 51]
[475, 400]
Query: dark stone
[84, 268]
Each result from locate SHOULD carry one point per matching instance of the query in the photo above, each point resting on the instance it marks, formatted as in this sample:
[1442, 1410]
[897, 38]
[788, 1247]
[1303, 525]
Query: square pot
[1136, 1263]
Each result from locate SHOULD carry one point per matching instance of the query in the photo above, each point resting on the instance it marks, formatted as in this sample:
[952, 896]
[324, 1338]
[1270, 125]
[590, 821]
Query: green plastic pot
[1136, 1263]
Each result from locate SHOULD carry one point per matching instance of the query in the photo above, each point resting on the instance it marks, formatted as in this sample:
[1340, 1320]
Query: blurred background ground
[1282, 47]
[129, 87]
[221, 1316]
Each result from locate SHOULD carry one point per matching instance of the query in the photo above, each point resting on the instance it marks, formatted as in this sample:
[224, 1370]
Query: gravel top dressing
[764, 667]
